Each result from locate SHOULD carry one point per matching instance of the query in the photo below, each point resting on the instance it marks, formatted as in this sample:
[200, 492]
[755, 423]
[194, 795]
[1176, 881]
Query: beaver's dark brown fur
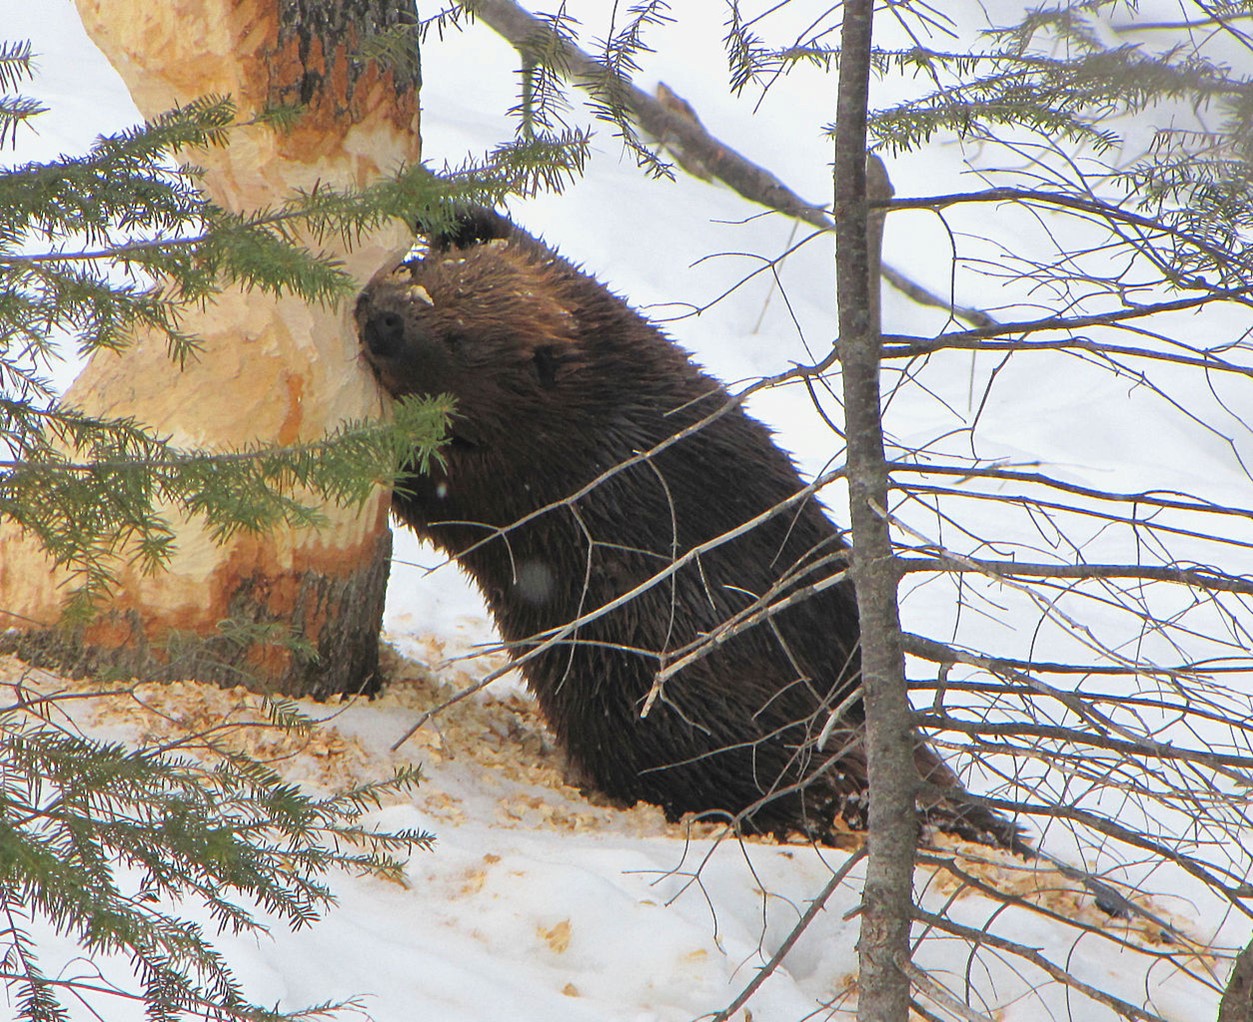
[557, 381]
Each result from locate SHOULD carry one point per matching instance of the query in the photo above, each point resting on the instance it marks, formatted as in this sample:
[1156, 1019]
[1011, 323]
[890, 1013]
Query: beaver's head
[536, 353]
[490, 321]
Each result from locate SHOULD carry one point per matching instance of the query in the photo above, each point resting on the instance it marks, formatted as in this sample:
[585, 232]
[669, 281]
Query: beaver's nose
[383, 333]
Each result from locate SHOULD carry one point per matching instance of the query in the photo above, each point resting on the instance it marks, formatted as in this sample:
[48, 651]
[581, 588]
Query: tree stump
[272, 370]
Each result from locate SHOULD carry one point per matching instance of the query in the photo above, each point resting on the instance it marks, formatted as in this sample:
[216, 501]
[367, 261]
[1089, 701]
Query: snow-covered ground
[536, 905]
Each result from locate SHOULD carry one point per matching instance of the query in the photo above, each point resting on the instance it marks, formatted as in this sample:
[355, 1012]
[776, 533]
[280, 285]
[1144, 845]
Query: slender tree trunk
[1237, 1004]
[883, 994]
[272, 370]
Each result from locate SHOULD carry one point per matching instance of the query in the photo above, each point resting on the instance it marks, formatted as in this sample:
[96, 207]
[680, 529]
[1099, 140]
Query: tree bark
[272, 370]
[1237, 1003]
[884, 988]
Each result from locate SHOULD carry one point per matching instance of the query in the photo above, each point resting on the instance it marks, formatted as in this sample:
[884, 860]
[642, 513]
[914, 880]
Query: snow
[533, 904]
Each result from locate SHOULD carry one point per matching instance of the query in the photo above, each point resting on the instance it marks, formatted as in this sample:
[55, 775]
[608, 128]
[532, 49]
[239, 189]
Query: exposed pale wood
[272, 370]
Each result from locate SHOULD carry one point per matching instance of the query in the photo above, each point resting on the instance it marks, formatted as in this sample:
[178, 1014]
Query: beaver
[588, 455]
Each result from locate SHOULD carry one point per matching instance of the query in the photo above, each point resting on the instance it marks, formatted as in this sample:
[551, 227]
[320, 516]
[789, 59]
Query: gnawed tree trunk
[272, 370]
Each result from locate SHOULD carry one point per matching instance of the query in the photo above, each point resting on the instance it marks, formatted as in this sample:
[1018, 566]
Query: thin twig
[748, 179]
[1056, 972]
[790, 940]
[1001, 570]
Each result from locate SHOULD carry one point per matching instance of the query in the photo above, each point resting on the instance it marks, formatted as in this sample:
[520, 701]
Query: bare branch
[1061, 975]
[679, 129]
[802, 924]
[1197, 578]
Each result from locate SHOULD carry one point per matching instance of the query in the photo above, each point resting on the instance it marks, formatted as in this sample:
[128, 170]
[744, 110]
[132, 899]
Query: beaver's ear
[547, 365]
[467, 226]
[553, 363]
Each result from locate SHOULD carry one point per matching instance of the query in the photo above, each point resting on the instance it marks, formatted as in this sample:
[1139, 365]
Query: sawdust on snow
[499, 737]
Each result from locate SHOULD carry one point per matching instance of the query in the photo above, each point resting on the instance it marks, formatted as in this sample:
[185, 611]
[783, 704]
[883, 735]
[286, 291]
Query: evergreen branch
[35, 996]
[125, 181]
[748, 57]
[88, 511]
[74, 808]
[395, 48]
[610, 98]
[523, 167]
[178, 248]
[16, 63]
[1044, 94]
[751, 61]
[442, 22]
[541, 101]
[14, 112]
[16, 66]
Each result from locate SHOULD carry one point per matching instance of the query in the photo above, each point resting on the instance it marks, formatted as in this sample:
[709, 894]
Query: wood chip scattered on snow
[499, 738]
